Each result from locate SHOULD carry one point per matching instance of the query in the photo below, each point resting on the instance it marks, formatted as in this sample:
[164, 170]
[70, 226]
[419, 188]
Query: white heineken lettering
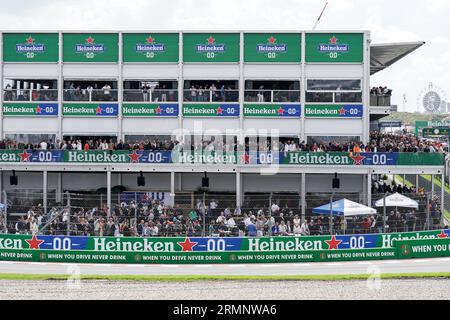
[8, 157]
[89, 48]
[23, 48]
[263, 111]
[144, 245]
[10, 243]
[202, 48]
[387, 240]
[264, 48]
[104, 156]
[206, 158]
[189, 110]
[20, 109]
[319, 158]
[333, 47]
[150, 48]
[277, 245]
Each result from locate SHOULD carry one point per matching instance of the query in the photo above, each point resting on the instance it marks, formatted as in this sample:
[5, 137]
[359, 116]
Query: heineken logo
[149, 110]
[211, 46]
[271, 47]
[90, 48]
[333, 46]
[278, 111]
[146, 245]
[205, 158]
[273, 244]
[225, 110]
[318, 159]
[334, 111]
[30, 109]
[30, 48]
[150, 48]
[100, 110]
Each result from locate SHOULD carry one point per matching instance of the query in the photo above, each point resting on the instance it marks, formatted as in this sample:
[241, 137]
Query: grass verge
[190, 278]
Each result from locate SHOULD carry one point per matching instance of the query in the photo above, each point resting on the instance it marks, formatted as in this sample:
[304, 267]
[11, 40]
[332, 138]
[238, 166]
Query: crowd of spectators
[90, 93]
[379, 142]
[381, 91]
[211, 93]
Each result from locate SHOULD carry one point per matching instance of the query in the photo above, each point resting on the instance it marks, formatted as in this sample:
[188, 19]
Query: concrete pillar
[432, 185]
[172, 184]
[303, 196]
[44, 190]
[369, 189]
[238, 190]
[59, 190]
[108, 191]
[442, 192]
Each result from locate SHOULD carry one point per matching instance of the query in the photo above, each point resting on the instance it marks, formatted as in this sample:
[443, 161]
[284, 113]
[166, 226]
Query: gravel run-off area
[434, 289]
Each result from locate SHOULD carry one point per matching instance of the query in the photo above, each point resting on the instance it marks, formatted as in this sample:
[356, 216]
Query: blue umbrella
[344, 207]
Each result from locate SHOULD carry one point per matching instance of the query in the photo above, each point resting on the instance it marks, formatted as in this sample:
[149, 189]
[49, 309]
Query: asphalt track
[334, 268]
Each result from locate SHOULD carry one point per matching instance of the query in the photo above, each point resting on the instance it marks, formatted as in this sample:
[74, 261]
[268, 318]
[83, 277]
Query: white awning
[384, 55]
[398, 200]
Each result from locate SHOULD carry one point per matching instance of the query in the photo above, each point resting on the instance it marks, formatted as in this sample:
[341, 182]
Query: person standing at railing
[9, 93]
[107, 92]
[163, 94]
[193, 94]
[260, 94]
[145, 92]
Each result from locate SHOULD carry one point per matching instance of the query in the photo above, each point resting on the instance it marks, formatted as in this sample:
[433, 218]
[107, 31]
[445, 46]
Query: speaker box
[205, 182]
[336, 183]
[13, 180]
[141, 181]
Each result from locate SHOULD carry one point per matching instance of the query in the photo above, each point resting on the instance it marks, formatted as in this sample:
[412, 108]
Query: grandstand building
[132, 86]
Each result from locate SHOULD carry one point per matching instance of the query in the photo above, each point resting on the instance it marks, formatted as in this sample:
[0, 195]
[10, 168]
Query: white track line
[421, 261]
[391, 262]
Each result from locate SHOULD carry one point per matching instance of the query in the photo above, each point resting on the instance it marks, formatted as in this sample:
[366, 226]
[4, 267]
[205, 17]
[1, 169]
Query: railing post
[384, 213]
[271, 96]
[68, 210]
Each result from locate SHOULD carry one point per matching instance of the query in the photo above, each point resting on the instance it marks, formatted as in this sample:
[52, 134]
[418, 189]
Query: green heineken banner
[211, 110]
[91, 47]
[423, 248]
[30, 109]
[435, 132]
[211, 47]
[90, 109]
[154, 47]
[150, 110]
[334, 47]
[333, 111]
[433, 123]
[30, 47]
[272, 110]
[272, 47]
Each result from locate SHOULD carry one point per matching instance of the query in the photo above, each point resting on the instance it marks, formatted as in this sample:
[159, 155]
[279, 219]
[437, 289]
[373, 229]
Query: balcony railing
[207, 95]
[380, 100]
[322, 159]
[30, 95]
[157, 95]
[272, 96]
[90, 95]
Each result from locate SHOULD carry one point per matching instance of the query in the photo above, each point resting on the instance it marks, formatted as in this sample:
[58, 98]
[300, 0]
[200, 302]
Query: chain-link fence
[213, 214]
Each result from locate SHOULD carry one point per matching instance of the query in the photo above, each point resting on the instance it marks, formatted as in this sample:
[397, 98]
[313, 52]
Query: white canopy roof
[398, 200]
[346, 208]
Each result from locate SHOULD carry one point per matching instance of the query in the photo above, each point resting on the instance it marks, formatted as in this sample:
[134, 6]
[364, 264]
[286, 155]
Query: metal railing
[272, 96]
[90, 95]
[380, 100]
[150, 95]
[30, 95]
[208, 95]
[209, 214]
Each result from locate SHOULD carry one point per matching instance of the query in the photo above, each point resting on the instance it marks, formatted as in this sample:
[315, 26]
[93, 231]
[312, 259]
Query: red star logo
[134, 157]
[333, 40]
[150, 39]
[38, 109]
[211, 40]
[219, 110]
[187, 245]
[342, 112]
[90, 40]
[30, 40]
[34, 243]
[443, 235]
[158, 110]
[98, 110]
[272, 40]
[357, 159]
[25, 156]
[333, 243]
[280, 111]
[245, 158]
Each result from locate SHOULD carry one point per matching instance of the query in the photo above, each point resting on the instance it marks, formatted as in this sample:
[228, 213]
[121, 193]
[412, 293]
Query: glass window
[333, 85]
[319, 97]
[347, 97]
[332, 139]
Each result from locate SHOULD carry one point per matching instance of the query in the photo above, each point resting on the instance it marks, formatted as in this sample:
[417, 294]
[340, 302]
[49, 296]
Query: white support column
[241, 138]
[303, 196]
[432, 185]
[238, 189]
[1, 85]
[442, 193]
[417, 182]
[60, 87]
[369, 189]
[59, 187]
[108, 191]
[44, 190]
[172, 184]
[366, 89]
[180, 182]
[303, 90]
[120, 88]
[180, 83]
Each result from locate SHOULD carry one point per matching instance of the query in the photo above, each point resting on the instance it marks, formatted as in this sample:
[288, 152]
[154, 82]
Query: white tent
[345, 208]
[398, 200]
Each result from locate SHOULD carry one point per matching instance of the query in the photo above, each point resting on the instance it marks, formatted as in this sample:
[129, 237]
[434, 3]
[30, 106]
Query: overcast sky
[388, 20]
